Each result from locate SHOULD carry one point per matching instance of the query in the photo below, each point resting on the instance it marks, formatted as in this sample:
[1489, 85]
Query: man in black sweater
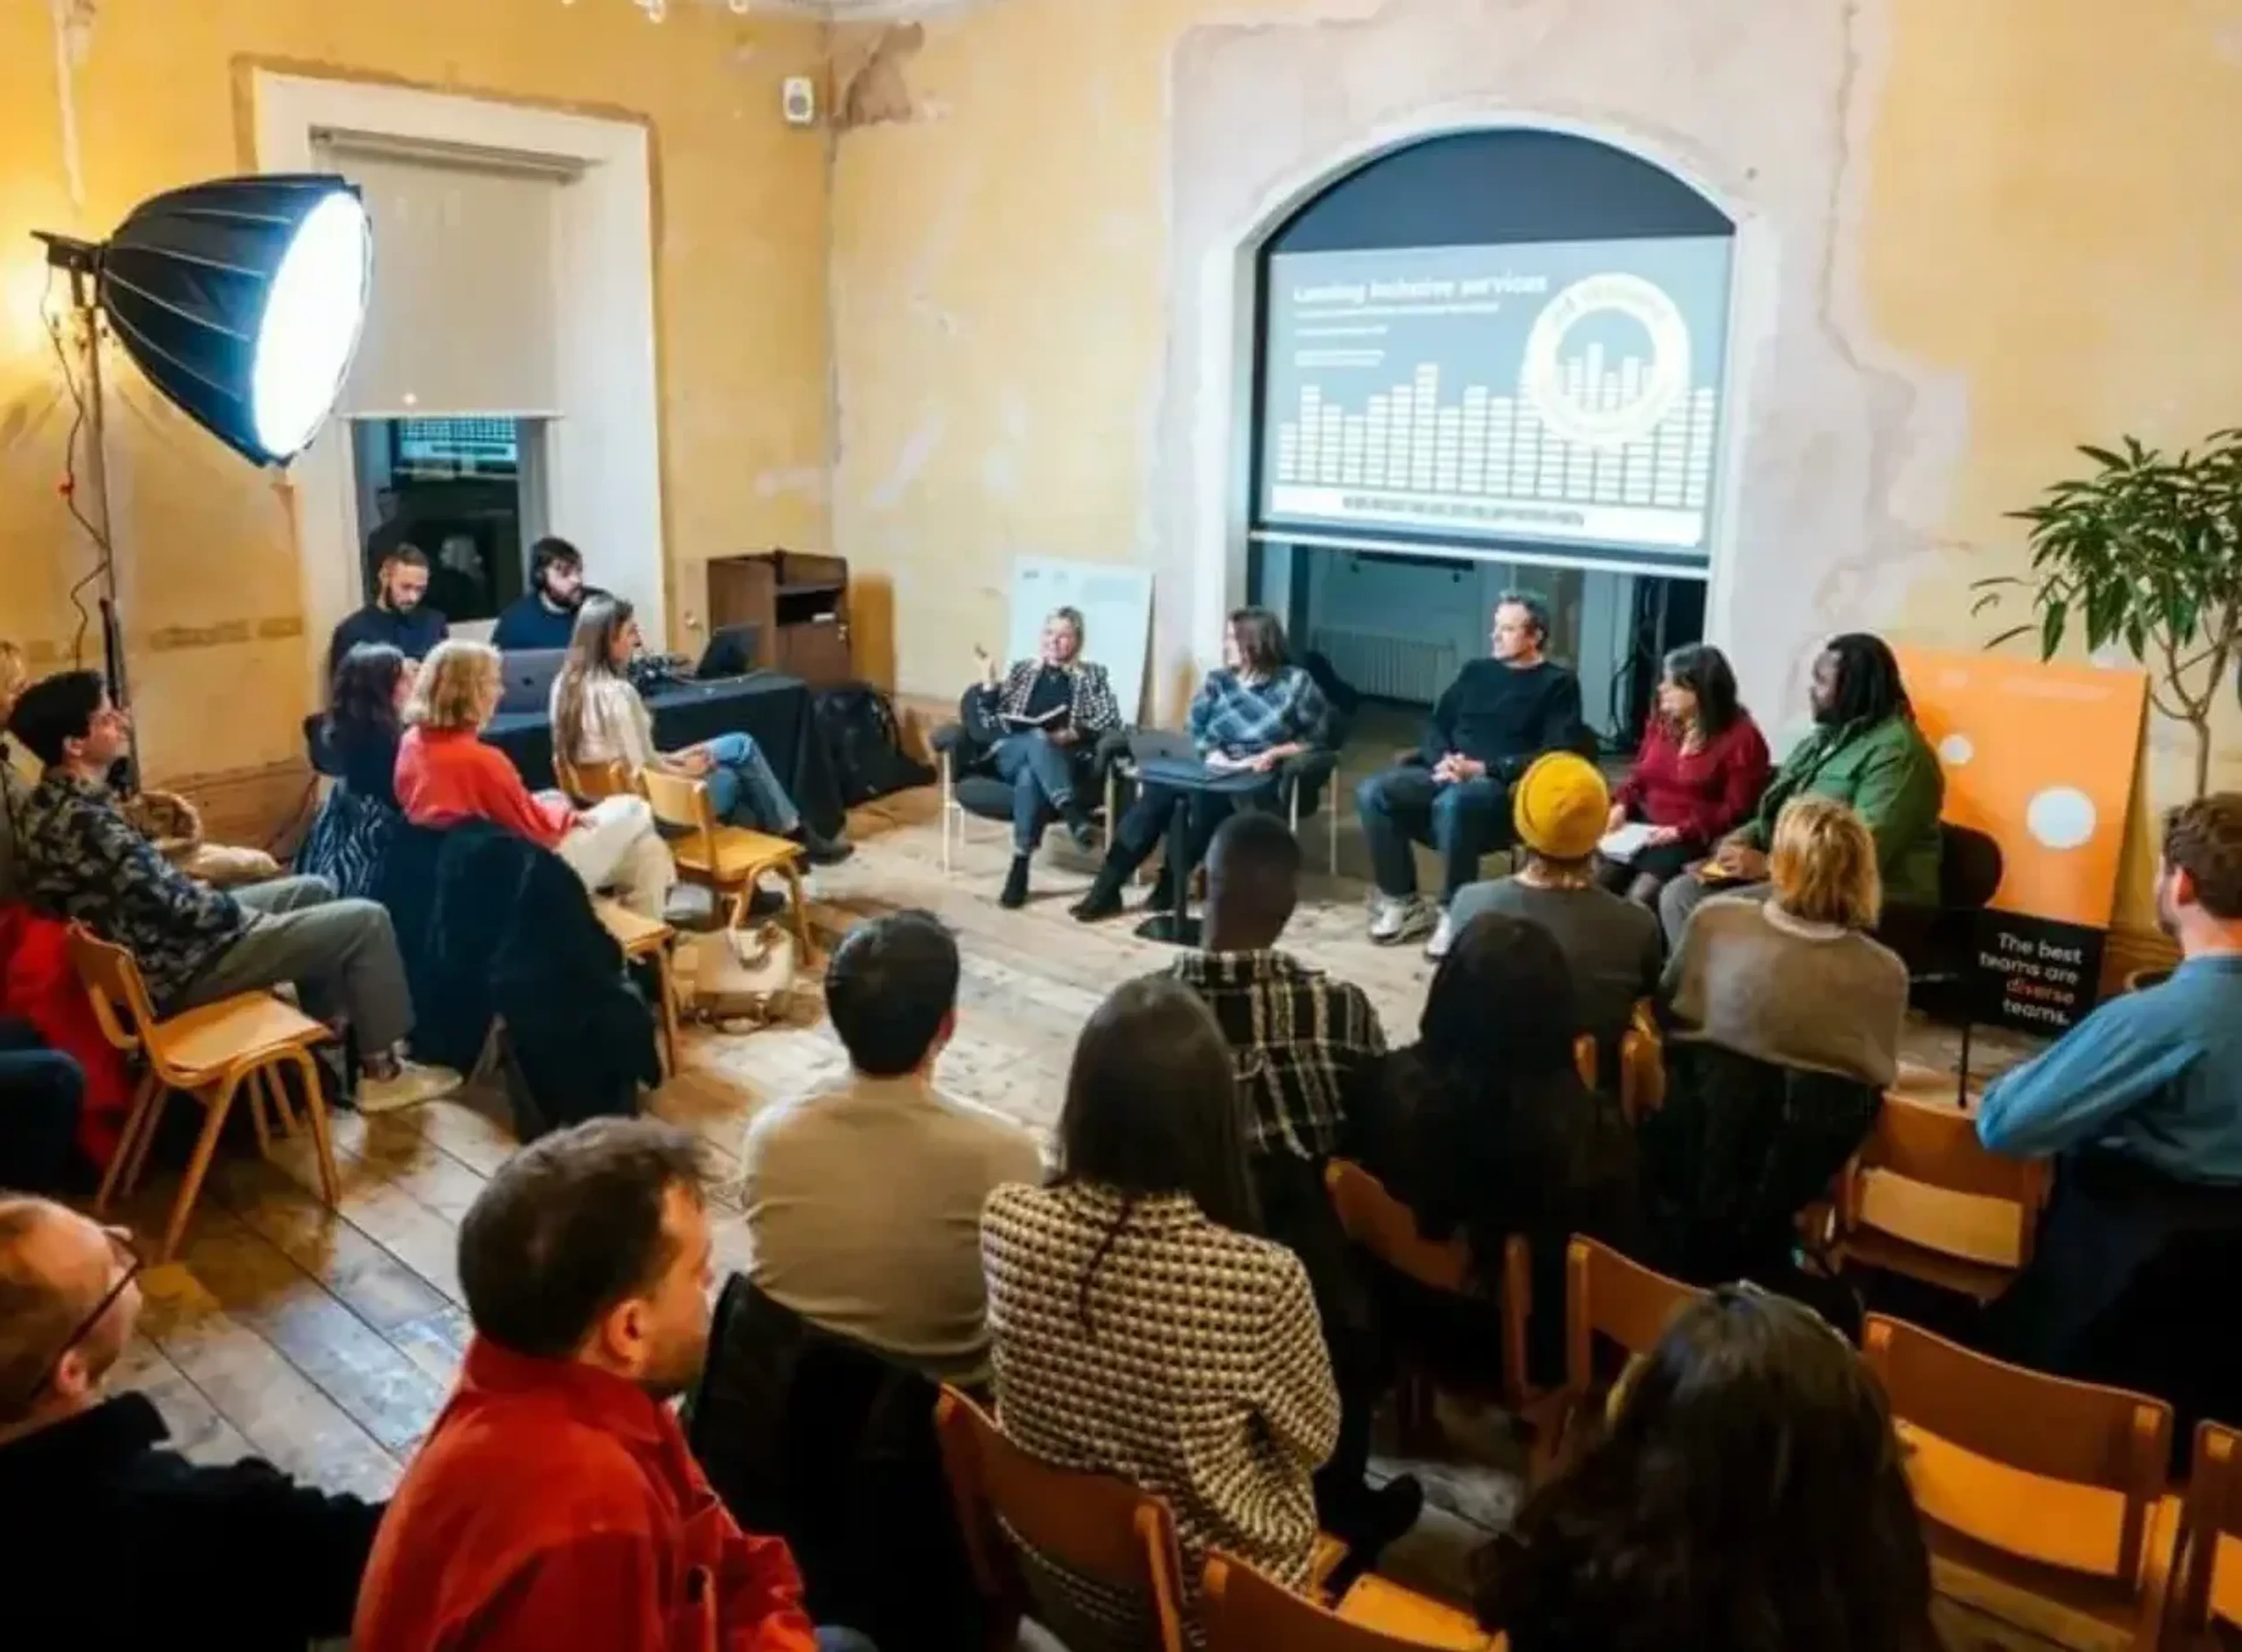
[1495, 720]
[117, 1542]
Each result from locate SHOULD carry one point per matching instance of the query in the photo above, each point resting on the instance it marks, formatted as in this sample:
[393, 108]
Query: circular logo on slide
[1609, 412]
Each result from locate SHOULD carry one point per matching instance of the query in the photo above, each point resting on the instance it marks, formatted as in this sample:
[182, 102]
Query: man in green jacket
[1866, 751]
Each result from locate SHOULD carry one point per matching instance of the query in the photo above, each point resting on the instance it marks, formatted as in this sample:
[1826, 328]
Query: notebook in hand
[1626, 842]
[1041, 720]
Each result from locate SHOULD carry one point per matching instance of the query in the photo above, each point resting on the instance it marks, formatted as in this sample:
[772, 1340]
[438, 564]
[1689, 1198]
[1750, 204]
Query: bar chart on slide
[1567, 393]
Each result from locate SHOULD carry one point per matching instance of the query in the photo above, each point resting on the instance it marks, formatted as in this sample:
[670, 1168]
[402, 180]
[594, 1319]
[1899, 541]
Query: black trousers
[1145, 824]
[41, 1091]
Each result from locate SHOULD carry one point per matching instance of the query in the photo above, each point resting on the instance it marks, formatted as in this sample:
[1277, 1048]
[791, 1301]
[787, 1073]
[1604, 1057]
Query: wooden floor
[326, 1342]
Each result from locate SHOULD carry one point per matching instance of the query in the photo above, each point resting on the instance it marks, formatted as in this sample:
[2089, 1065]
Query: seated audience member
[1866, 752]
[1140, 1329]
[555, 1503]
[544, 616]
[2143, 1101]
[1300, 1043]
[863, 1199]
[396, 617]
[13, 788]
[1789, 974]
[598, 717]
[42, 1092]
[196, 944]
[365, 723]
[445, 773]
[1051, 710]
[1492, 721]
[1483, 1128]
[1247, 718]
[118, 1542]
[1747, 1492]
[1612, 945]
[1697, 776]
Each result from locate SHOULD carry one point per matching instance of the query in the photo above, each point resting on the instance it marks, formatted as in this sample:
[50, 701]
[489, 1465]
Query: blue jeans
[742, 790]
[1042, 777]
[1464, 820]
[840, 1640]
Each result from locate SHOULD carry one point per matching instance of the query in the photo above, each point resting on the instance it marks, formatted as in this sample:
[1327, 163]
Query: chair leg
[253, 1083]
[191, 1183]
[140, 1120]
[1330, 826]
[323, 1141]
[948, 809]
[276, 1091]
[800, 910]
[668, 989]
[147, 1138]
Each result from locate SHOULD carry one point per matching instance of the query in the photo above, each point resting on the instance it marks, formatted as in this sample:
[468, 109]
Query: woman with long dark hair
[1700, 768]
[366, 707]
[598, 717]
[1139, 1326]
[1748, 1495]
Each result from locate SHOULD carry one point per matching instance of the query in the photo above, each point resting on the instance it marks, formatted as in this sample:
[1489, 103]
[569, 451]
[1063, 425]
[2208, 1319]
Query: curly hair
[1748, 1495]
[1823, 864]
[457, 686]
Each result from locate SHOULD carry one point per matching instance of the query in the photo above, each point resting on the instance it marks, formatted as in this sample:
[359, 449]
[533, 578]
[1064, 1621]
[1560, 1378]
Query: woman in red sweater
[445, 775]
[1698, 774]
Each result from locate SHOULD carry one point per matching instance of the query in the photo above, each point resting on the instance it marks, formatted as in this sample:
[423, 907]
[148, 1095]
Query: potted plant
[2146, 552]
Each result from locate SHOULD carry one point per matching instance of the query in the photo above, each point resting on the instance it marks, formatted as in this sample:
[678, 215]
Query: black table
[773, 708]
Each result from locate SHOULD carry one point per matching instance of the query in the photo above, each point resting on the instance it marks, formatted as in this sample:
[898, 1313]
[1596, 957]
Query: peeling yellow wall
[217, 654]
[2046, 217]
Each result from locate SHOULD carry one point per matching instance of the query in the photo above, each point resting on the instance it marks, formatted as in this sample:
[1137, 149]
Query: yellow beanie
[1560, 806]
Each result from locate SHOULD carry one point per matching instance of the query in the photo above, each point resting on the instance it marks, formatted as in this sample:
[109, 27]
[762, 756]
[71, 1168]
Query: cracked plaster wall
[1972, 237]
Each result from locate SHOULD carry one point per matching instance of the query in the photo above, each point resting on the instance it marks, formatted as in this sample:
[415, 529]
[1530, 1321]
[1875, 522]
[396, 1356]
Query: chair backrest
[1243, 1611]
[1610, 1296]
[682, 803]
[1923, 1176]
[1584, 1058]
[1641, 1064]
[2214, 1522]
[2036, 1428]
[111, 976]
[1970, 868]
[1387, 1228]
[592, 782]
[1100, 1528]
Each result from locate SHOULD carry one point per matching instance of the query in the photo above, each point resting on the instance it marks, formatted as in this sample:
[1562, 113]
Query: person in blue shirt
[544, 616]
[2142, 1104]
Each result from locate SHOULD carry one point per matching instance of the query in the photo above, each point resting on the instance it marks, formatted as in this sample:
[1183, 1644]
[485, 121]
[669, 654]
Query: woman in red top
[445, 773]
[1698, 774]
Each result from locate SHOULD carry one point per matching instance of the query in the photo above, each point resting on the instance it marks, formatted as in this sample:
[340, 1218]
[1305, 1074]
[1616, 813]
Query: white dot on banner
[1957, 750]
[2060, 817]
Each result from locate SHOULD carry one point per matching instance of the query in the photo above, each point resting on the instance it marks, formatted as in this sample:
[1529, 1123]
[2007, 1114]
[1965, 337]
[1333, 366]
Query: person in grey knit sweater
[1795, 978]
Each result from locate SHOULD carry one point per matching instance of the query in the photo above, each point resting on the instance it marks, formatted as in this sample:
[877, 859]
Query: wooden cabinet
[798, 603]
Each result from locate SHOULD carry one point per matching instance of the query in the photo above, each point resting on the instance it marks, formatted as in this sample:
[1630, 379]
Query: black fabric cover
[856, 726]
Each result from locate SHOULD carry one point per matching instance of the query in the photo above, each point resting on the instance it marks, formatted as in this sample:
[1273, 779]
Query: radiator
[1387, 666]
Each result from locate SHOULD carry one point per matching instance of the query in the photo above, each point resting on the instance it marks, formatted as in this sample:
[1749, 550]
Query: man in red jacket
[555, 1503]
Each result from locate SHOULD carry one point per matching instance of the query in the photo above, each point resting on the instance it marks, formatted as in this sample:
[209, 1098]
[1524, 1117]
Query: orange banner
[2041, 758]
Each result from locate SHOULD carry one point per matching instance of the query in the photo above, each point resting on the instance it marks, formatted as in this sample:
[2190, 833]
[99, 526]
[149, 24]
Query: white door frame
[604, 457]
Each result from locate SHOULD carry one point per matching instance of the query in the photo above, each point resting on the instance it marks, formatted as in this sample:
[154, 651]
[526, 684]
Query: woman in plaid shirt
[1255, 712]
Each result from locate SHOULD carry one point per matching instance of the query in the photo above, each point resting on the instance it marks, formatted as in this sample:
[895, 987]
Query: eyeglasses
[130, 1263]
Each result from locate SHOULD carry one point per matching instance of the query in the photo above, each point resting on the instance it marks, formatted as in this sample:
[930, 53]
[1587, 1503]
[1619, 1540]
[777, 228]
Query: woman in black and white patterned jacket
[1140, 1329]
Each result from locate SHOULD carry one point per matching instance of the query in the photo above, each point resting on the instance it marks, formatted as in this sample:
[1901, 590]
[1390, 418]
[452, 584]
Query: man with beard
[544, 616]
[555, 1503]
[1866, 752]
[117, 1540]
[397, 615]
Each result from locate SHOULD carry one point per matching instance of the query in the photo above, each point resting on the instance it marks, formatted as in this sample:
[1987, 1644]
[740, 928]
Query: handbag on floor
[731, 977]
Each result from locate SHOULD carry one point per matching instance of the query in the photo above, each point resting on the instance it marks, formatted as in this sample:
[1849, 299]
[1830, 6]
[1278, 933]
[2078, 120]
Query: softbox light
[241, 299]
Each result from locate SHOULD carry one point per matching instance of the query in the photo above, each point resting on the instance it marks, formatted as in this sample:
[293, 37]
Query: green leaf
[2008, 635]
[2051, 620]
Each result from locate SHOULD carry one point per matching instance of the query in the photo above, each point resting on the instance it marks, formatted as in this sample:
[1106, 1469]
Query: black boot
[1375, 1520]
[1163, 898]
[1079, 826]
[1104, 900]
[823, 850]
[1015, 885]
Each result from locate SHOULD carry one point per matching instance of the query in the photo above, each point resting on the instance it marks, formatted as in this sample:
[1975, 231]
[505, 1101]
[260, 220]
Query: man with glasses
[116, 1541]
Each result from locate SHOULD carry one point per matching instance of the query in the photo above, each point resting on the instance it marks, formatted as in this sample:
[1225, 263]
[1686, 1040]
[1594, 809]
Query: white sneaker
[1444, 937]
[409, 1086]
[1394, 918]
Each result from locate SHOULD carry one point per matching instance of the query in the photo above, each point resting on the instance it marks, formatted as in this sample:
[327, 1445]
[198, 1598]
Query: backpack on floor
[856, 724]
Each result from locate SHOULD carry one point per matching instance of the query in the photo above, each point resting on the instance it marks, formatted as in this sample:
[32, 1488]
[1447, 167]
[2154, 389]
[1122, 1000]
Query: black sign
[2036, 974]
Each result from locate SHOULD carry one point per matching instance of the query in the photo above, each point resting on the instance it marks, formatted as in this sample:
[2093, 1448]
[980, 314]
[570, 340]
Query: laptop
[730, 653]
[1162, 745]
[527, 674]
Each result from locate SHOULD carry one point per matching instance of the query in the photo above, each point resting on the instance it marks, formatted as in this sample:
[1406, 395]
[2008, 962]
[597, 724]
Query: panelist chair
[970, 786]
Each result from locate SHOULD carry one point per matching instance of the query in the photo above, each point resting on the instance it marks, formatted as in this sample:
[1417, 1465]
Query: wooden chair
[1924, 1198]
[1243, 1611]
[2209, 1568]
[728, 859]
[594, 782]
[1642, 1066]
[1612, 1296]
[1101, 1528]
[1387, 1228]
[209, 1053]
[2041, 1498]
[646, 937]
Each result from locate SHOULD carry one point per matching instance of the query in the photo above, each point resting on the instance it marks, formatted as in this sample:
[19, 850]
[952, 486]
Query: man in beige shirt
[863, 1200]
